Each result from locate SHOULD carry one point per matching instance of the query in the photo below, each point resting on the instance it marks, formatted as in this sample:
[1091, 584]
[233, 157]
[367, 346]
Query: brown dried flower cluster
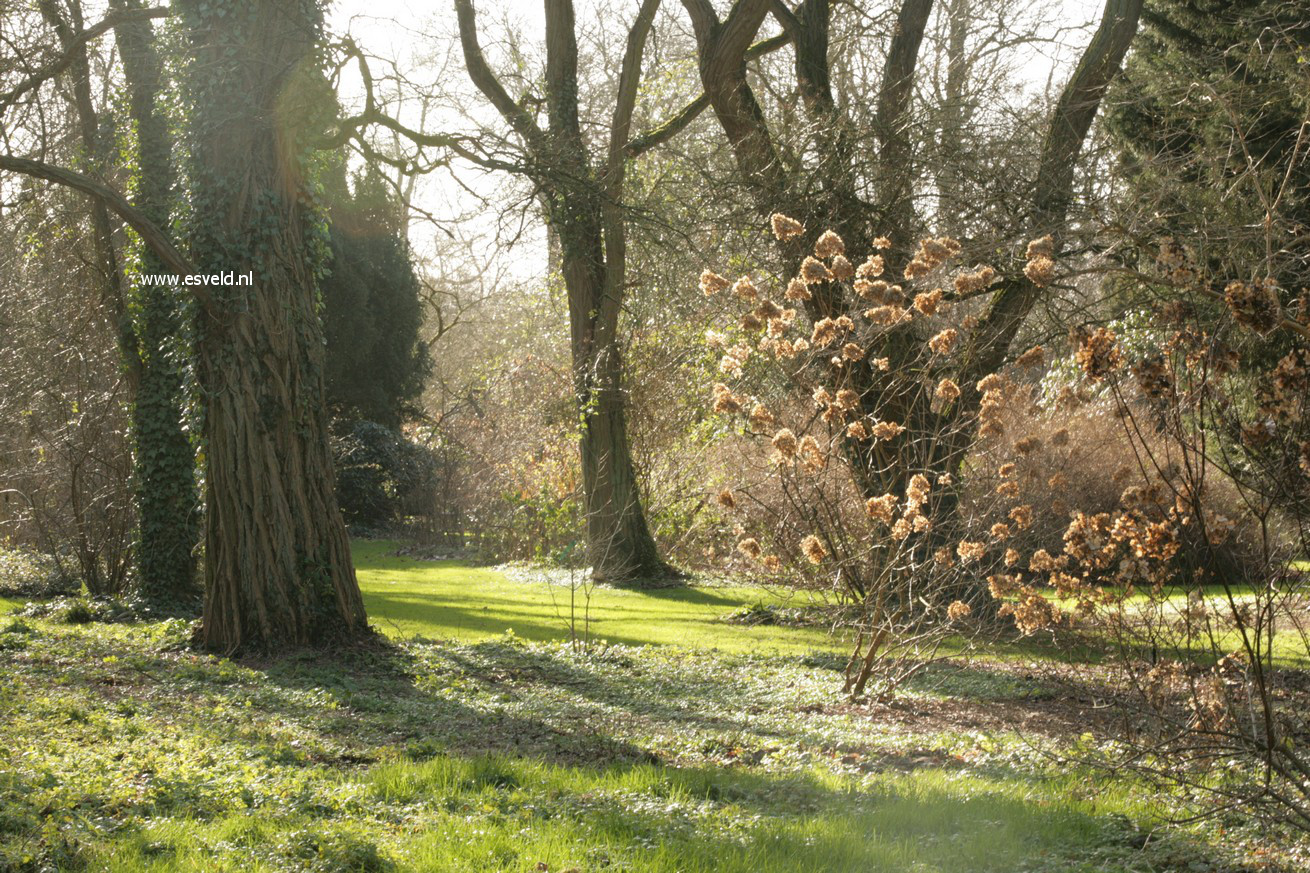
[1034, 357]
[813, 549]
[928, 302]
[842, 269]
[881, 508]
[931, 254]
[760, 417]
[872, 267]
[829, 245]
[786, 228]
[1040, 268]
[725, 402]
[734, 358]
[887, 316]
[828, 330]
[1032, 612]
[797, 290]
[814, 271]
[958, 610]
[1099, 354]
[944, 342]
[990, 408]
[785, 444]
[970, 551]
[947, 391]
[886, 430]
[972, 283]
[712, 283]
[1255, 305]
[744, 289]
[1154, 377]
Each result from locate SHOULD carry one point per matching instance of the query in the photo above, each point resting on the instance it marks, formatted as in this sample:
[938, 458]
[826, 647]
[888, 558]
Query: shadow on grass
[469, 745]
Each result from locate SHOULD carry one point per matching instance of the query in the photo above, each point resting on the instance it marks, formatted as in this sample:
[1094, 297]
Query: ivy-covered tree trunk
[277, 558]
[167, 501]
[164, 462]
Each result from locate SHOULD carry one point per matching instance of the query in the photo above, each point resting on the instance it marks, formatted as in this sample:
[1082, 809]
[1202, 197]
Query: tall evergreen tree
[1209, 116]
[372, 311]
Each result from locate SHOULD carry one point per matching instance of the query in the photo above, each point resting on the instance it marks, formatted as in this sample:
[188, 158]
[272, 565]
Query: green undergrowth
[122, 750]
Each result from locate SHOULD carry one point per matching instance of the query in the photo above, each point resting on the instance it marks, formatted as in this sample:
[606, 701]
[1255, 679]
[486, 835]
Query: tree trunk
[620, 547]
[277, 561]
[164, 464]
[584, 211]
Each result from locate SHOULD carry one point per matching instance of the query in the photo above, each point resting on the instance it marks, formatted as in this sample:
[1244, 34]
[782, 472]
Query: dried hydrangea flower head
[745, 289]
[882, 508]
[947, 391]
[760, 417]
[932, 253]
[712, 283]
[970, 551]
[785, 445]
[725, 402]
[928, 302]
[829, 245]
[814, 271]
[813, 549]
[841, 268]
[797, 290]
[971, 283]
[872, 267]
[1255, 305]
[1040, 268]
[786, 228]
[1099, 354]
[958, 610]
[944, 342]
[1034, 357]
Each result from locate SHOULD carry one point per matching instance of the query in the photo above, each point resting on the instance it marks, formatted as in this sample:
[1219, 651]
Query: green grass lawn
[8, 605]
[457, 747]
[121, 750]
[406, 597]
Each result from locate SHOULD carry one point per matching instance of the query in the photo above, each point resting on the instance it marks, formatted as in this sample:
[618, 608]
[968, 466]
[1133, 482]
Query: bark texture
[166, 494]
[278, 569]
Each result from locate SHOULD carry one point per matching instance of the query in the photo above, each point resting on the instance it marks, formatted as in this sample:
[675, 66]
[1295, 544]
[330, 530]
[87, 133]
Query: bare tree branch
[74, 46]
[150, 233]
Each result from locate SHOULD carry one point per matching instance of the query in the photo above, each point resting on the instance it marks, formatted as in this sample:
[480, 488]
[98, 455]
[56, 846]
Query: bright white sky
[419, 38]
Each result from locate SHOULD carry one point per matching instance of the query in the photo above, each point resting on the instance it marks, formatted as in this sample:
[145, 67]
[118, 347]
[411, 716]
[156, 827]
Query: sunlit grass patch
[501, 814]
[121, 749]
[406, 597]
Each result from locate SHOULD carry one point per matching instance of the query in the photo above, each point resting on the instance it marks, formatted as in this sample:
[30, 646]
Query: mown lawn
[407, 597]
[458, 747]
[121, 750]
